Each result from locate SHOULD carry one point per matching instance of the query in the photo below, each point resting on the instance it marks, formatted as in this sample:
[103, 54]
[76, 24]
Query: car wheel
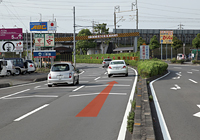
[17, 71]
[8, 73]
[126, 74]
[24, 72]
[49, 85]
[74, 82]
[77, 80]
[109, 75]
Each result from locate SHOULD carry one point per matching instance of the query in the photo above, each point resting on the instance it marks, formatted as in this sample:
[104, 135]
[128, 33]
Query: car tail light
[104, 62]
[70, 75]
[124, 67]
[31, 65]
[110, 67]
[49, 76]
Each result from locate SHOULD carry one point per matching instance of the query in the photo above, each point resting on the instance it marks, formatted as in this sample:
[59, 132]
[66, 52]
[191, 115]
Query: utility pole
[180, 26]
[74, 38]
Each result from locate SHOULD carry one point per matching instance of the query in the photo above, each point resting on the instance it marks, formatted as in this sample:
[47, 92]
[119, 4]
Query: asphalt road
[94, 109]
[178, 95]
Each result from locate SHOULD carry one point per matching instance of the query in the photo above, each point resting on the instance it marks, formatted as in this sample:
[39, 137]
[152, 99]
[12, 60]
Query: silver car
[63, 73]
[106, 62]
[117, 67]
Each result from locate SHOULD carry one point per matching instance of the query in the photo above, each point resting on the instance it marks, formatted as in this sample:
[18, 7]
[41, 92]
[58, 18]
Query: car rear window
[107, 59]
[60, 67]
[116, 62]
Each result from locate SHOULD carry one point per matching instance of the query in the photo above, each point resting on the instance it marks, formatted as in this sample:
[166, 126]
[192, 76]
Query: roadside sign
[44, 54]
[38, 26]
[144, 52]
[11, 34]
[166, 37]
[44, 40]
[52, 26]
[11, 46]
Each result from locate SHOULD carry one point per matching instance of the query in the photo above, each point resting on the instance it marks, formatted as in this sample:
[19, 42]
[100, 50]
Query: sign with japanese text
[11, 34]
[44, 40]
[11, 46]
[44, 54]
[49, 40]
[144, 52]
[166, 37]
[52, 26]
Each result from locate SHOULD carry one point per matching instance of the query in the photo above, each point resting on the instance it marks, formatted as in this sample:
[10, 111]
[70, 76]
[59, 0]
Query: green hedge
[149, 68]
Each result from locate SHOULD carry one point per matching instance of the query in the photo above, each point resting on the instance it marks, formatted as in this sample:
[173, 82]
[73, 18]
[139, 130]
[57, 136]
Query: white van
[3, 69]
[10, 67]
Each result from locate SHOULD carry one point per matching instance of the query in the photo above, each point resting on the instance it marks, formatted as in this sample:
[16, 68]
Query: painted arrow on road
[94, 107]
[176, 87]
[197, 114]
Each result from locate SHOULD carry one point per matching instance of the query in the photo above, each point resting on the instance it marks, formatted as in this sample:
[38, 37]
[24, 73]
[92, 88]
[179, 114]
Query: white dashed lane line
[193, 81]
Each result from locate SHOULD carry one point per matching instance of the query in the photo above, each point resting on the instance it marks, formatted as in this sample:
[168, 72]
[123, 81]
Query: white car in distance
[117, 67]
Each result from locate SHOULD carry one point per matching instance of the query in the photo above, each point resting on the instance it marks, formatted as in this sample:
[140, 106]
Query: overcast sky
[153, 14]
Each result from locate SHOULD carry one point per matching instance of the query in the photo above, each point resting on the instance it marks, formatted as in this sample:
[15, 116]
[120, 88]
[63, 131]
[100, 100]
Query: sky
[153, 14]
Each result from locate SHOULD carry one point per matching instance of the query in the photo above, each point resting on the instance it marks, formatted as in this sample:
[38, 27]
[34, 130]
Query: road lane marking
[79, 88]
[189, 72]
[106, 85]
[94, 107]
[122, 131]
[193, 81]
[30, 113]
[197, 114]
[177, 67]
[97, 78]
[55, 87]
[14, 94]
[37, 86]
[22, 85]
[33, 96]
[78, 95]
[114, 79]
[163, 125]
[195, 70]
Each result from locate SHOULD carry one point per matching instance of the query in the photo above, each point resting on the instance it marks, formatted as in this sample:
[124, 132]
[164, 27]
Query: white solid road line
[116, 85]
[78, 95]
[122, 132]
[163, 125]
[78, 88]
[97, 78]
[14, 93]
[28, 114]
[33, 96]
[195, 70]
[193, 81]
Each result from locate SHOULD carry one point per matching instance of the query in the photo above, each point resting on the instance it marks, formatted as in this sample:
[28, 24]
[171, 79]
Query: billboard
[44, 54]
[44, 40]
[11, 34]
[38, 26]
[52, 26]
[166, 37]
[11, 46]
[144, 52]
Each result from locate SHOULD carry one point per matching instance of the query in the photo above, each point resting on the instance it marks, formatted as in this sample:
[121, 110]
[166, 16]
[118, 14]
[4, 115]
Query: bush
[173, 60]
[180, 61]
[195, 61]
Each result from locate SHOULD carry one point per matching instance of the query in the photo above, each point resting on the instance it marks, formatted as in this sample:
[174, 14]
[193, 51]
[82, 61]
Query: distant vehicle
[19, 64]
[31, 67]
[3, 69]
[106, 62]
[181, 56]
[63, 73]
[10, 68]
[117, 67]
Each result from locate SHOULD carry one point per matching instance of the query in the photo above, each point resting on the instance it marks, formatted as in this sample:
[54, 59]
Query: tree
[176, 44]
[140, 42]
[84, 45]
[153, 44]
[196, 44]
[101, 29]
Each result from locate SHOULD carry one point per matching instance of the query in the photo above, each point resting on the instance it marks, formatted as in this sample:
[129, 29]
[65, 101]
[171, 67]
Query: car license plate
[60, 76]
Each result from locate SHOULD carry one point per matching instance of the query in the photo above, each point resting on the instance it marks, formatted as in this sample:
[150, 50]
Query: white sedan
[117, 67]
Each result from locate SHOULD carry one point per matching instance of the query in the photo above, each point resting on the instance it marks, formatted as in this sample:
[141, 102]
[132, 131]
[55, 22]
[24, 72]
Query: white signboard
[52, 26]
[49, 40]
[11, 46]
[144, 52]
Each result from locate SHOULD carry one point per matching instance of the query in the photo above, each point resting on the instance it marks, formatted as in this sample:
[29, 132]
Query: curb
[143, 124]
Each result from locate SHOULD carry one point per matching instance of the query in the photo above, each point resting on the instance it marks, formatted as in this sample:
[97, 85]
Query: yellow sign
[166, 37]
[39, 27]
